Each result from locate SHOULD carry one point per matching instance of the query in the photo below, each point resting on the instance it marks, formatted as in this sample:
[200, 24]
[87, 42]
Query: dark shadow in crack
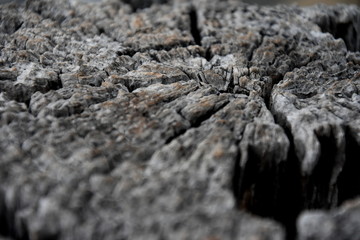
[195, 32]
[140, 4]
[349, 180]
[348, 29]
[8, 221]
[270, 191]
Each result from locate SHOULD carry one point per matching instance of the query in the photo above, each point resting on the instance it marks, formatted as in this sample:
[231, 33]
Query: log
[172, 119]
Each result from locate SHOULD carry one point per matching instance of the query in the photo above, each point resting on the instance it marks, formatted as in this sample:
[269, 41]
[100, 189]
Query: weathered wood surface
[178, 120]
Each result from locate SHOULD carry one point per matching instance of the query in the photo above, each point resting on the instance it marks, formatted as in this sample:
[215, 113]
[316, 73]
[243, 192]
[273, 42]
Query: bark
[179, 120]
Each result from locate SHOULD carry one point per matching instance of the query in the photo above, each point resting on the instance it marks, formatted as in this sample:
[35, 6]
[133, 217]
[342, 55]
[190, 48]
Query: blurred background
[264, 2]
[302, 2]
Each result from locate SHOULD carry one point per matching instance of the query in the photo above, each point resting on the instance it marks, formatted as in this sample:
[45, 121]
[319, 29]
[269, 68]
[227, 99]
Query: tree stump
[172, 119]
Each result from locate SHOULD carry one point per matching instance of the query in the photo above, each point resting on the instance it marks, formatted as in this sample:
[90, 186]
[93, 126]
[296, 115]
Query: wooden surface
[179, 120]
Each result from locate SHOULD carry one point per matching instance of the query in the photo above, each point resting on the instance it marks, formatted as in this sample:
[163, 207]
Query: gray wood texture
[179, 120]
